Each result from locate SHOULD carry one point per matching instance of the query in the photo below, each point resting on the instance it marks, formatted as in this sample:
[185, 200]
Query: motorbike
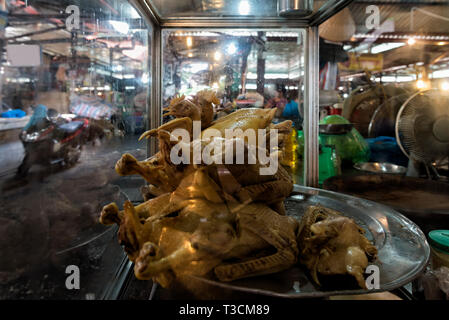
[53, 140]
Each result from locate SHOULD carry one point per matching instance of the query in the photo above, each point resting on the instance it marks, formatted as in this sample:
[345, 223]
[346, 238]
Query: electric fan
[363, 102]
[383, 120]
[422, 129]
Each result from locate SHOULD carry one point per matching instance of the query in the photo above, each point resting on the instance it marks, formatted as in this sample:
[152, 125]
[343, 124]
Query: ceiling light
[189, 42]
[421, 84]
[276, 76]
[145, 78]
[120, 26]
[133, 13]
[244, 8]
[386, 47]
[197, 67]
[411, 41]
[232, 49]
[217, 56]
[138, 53]
[438, 74]
[397, 78]
[118, 68]
[441, 43]
[391, 36]
[190, 54]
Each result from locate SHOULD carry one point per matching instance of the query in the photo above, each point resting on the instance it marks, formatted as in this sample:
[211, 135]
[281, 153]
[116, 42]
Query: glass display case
[75, 83]
[363, 83]
[389, 71]
[268, 64]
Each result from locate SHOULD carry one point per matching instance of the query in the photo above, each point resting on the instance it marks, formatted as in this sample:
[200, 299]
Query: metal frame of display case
[118, 285]
[311, 89]
[311, 108]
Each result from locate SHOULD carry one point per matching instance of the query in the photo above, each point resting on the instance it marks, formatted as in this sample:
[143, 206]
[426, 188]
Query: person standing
[279, 101]
[291, 110]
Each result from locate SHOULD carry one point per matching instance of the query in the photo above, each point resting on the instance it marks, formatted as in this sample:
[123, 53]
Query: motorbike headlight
[30, 137]
[56, 146]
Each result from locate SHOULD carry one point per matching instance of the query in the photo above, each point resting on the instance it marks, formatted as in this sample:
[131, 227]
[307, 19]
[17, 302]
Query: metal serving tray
[380, 167]
[403, 249]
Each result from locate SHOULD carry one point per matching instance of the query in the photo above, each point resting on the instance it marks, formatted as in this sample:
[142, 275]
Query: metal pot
[295, 8]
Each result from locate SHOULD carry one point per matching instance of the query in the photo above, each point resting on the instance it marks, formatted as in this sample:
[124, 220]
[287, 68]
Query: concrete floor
[53, 212]
[12, 153]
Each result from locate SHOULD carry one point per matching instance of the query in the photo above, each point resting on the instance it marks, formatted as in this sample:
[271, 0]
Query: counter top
[13, 123]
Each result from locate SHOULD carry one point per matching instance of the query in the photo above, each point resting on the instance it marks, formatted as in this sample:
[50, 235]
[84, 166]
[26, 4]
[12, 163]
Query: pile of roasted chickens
[226, 220]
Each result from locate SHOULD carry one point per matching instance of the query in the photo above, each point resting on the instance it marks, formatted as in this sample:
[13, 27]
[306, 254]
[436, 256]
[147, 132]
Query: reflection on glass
[216, 8]
[244, 8]
[67, 112]
[246, 69]
[232, 8]
[387, 65]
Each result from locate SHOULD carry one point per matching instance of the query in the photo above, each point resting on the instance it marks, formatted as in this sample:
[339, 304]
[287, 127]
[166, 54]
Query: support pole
[261, 66]
[155, 107]
[311, 108]
[2, 46]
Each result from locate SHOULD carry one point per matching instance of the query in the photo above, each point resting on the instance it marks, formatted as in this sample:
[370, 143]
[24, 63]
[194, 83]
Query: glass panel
[246, 69]
[226, 8]
[384, 69]
[69, 110]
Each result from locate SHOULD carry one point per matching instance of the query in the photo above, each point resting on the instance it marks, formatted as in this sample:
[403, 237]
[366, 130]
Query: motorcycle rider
[47, 123]
[37, 119]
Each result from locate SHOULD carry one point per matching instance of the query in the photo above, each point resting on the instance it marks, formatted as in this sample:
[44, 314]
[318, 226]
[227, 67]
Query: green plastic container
[329, 161]
[439, 244]
[329, 164]
[351, 146]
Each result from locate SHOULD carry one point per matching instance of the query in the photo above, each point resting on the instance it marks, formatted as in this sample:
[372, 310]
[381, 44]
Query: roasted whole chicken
[165, 176]
[215, 219]
[331, 244]
[199, 109]
[225, 220]
[199, 229]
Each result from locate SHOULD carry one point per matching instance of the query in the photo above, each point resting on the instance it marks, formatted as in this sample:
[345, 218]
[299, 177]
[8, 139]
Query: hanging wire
[431, 14]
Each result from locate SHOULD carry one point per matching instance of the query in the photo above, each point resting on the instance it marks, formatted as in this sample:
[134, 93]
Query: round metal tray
[403, 251]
